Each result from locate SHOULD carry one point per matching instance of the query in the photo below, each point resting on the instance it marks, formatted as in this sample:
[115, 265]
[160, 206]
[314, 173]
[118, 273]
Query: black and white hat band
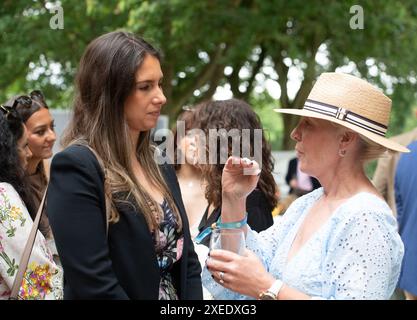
[346, 115]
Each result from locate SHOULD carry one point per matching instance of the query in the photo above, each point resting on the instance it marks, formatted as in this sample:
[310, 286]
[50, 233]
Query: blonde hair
[367, 149]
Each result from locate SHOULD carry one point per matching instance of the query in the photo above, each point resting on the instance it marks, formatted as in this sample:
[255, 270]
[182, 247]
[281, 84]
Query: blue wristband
[220, 225]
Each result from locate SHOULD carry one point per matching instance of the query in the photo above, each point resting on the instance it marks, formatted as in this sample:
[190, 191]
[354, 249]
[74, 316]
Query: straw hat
[352, 103]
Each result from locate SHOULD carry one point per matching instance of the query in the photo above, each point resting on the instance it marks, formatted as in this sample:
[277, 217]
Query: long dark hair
[26, 106]
[11, 171]
[105, 79]
[234, 114]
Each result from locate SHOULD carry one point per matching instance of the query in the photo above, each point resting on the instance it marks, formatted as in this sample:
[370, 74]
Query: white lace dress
[356, 254]
[43, 278]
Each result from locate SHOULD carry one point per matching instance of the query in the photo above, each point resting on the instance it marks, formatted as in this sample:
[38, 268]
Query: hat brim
[389, 144]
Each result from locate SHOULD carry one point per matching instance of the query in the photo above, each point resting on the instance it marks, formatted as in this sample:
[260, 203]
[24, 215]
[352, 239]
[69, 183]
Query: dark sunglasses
[26, 101]
[8, 111]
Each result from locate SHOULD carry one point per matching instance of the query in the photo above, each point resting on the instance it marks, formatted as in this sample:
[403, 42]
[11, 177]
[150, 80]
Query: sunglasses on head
[7, 111]
[26, 101]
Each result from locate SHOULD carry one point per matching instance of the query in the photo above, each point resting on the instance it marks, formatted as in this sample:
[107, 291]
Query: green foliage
[201, 38]
[271, 121]
[370, 168]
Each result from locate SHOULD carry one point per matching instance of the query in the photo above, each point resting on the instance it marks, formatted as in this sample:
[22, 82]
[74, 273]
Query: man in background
[406, 200]
[383, 179]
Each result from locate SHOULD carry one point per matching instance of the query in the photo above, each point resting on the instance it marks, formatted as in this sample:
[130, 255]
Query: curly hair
[11, 171]
[234, 114]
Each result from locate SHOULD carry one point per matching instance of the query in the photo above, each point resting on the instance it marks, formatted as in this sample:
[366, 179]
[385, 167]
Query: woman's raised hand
[240, 177]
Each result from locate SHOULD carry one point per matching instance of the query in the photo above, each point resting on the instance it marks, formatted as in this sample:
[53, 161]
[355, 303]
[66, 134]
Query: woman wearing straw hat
[337, 242]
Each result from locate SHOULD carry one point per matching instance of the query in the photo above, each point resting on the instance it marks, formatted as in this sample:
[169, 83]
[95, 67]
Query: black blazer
[259, 214]
[122, 265]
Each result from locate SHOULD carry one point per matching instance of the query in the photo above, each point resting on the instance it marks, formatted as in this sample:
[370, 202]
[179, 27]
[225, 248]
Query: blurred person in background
[384, 175]
[43, 277]
[234, 114]
[406, 201]
[35, 114]
[189, 173]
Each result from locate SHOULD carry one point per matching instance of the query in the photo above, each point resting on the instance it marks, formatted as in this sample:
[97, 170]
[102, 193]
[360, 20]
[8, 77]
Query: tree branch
[309, 76]
[233, 78]
[214, 82]
[282, 71]
[255, 70]
[202, 78]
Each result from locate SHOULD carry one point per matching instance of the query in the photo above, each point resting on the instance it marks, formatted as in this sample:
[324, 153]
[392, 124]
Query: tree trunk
[180, 96]
[290, 121]
[167, 86]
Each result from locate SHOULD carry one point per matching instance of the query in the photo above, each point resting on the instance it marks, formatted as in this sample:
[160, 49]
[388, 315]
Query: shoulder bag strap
[27, 251]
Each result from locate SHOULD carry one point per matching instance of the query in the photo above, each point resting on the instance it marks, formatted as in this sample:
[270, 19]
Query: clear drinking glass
[228, 239]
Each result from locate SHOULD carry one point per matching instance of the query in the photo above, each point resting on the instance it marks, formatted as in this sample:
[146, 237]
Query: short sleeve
[364, 257]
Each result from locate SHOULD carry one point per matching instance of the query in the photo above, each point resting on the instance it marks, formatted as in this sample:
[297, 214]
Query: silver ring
[221, 276]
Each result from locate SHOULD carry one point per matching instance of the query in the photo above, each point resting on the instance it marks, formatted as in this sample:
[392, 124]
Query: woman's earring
[342, 153]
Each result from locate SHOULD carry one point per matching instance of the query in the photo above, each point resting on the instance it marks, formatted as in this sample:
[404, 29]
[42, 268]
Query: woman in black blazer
[108, 172]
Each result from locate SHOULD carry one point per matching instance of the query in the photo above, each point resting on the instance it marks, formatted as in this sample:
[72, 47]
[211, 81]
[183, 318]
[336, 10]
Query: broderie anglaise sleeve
[364, 257]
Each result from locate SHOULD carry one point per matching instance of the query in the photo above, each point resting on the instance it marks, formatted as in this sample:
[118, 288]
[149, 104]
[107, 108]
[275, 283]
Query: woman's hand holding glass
[228, 239]
[244, 274]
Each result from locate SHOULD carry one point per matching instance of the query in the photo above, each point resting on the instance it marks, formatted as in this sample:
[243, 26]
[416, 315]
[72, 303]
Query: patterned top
[168, 251]
[356, 253]
[43, 278]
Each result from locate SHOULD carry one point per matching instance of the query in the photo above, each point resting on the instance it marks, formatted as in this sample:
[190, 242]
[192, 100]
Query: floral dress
[43, 278]
[168, 251]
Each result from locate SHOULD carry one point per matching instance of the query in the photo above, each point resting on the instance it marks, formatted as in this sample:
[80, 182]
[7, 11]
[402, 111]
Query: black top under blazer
[122, 265]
